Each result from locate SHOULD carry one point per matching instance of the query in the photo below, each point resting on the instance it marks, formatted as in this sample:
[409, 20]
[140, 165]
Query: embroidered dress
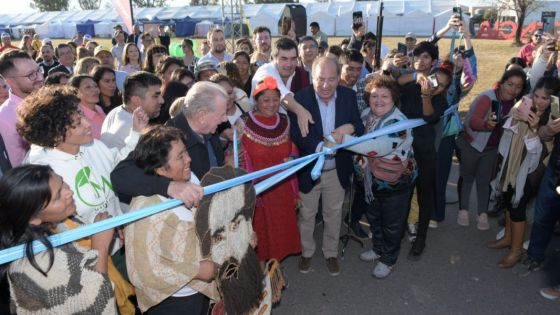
[266, 142]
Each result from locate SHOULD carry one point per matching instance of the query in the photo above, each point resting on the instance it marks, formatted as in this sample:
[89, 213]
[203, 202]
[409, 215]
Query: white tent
[324, 14]
[55, 29]
[335, 18]
[213, 12]
[343, 20]
[43, 30]
[327, 22]
[104, 29]
[69, 29]
[202, 28]
[251, 10]
[267, 19]
[418, 22]
[390, 24]
[147, 13]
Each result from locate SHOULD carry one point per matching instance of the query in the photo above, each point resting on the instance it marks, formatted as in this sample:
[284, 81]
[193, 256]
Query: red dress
[266, 142]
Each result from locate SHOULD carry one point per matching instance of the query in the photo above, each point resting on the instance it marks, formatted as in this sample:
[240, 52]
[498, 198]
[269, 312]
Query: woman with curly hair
[389, 174]
[60, 136]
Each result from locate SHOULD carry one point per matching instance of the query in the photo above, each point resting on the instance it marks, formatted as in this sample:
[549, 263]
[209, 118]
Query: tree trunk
[520, 21]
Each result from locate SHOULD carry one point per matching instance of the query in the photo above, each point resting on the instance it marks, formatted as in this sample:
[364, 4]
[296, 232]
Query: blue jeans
[387, 218]
[444, 160]
[547, 212]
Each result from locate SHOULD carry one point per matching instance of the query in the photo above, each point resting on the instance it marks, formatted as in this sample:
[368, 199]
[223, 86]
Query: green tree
[50, 5]
[89, 4]
[149, 3]
[522, 9]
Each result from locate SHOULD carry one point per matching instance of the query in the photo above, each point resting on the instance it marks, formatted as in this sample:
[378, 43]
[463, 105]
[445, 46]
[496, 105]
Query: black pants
[192, 305]
[359, 204]
[387, 218]
[425, 185]
[4, 296]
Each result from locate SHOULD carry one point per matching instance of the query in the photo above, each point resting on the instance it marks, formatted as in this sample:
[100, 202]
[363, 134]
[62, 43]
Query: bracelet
[425, 95]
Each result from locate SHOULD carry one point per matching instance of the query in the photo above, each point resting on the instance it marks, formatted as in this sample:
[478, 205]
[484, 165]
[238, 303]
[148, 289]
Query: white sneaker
[381, 270]
[526, 244]
[369, 256]
[412, 232]
[501, 234]
[433, 224]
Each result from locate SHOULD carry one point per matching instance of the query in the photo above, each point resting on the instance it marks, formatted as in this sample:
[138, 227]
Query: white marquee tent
[335, 18]
[267, 19]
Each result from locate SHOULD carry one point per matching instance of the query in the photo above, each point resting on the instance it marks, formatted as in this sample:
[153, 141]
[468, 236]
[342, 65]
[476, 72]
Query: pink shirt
[526, 53]
[15, 145]
[96, 118]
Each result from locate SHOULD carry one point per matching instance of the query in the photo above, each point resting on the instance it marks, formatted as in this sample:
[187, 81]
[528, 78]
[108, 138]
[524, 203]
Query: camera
[433, 80]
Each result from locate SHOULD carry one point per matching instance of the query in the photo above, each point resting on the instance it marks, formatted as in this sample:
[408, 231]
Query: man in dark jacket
[66, 57]
[205, 109]
[335, 112]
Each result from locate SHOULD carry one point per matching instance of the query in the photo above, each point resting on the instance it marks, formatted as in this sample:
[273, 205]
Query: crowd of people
[88, 132]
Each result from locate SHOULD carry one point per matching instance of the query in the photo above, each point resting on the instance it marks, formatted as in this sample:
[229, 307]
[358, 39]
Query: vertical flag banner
[124, 9]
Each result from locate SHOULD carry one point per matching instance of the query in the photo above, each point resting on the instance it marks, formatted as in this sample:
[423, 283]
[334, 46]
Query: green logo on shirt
[89, 192]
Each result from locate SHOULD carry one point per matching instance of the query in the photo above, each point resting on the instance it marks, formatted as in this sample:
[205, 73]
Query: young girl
[131, 61]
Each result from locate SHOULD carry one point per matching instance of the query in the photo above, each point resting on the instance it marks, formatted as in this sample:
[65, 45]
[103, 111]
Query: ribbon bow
[268, 83]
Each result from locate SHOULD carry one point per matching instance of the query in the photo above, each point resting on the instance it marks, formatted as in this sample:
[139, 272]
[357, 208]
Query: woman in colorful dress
[265, 141]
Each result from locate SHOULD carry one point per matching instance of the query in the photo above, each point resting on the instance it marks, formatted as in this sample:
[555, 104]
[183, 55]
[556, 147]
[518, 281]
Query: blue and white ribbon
[287, 168]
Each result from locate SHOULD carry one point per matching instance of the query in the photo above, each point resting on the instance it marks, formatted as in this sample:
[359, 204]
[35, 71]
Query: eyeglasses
[31, 76]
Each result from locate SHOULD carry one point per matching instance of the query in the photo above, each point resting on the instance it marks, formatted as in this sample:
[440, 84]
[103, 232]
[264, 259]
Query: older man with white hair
[205, 109]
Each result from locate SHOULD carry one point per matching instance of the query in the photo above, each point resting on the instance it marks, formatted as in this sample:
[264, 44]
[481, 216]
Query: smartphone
[357, 19]
[458, 13]
[497, 110]
[433, 80]
[533, 108]
[554, 107]
[525, 107]
[402, 49]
